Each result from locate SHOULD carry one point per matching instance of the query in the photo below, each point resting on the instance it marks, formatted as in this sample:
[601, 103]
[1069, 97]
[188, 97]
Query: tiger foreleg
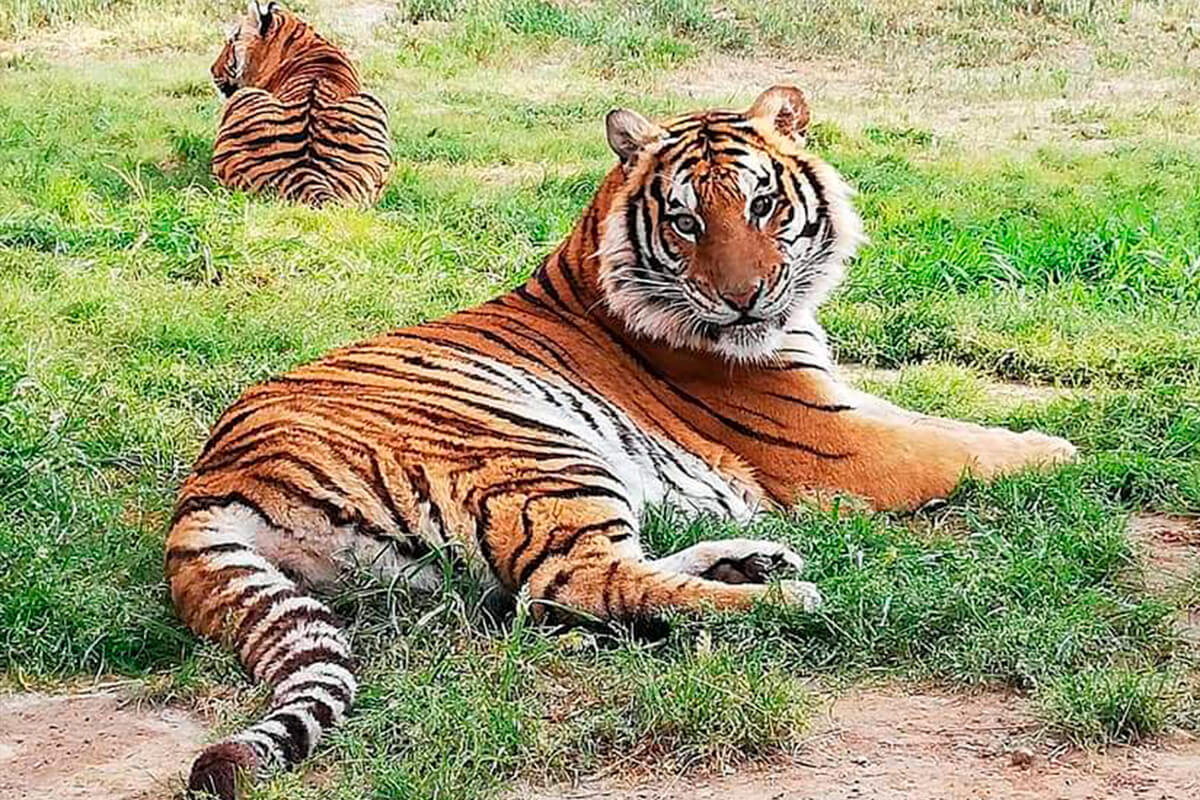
[577, 550]
[595, 579]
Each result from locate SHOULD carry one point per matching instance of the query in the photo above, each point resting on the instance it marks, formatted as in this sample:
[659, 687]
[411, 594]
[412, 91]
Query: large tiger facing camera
[297, 122]
[666, 352]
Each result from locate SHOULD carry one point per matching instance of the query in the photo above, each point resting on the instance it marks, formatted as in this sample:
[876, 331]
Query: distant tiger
[297, 122]
[667, 352]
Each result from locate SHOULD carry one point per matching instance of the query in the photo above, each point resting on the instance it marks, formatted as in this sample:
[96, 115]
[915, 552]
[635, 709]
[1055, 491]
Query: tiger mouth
[745, 327]
[745, 320]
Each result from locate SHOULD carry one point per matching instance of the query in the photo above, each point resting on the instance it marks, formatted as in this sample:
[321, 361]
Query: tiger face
[725, 229]
[250, 55]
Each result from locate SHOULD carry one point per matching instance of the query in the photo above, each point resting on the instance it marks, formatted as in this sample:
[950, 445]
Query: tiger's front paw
[1008, 452]
[751, 561]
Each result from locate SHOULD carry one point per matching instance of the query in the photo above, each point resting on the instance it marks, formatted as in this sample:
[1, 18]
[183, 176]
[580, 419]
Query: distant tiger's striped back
[297, 123]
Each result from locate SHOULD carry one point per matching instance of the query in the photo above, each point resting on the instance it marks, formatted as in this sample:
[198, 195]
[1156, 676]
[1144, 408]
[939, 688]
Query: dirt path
[974, 107]
[62, 747]
[1169, 546]
[880, 744]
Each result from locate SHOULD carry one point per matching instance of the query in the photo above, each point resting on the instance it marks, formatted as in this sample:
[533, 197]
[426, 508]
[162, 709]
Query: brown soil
[968, 106]
[1169, 545]
[869, 744]
[60, 747]
[929, 746]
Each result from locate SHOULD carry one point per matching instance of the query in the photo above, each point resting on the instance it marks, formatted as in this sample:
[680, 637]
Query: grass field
[1027, 174]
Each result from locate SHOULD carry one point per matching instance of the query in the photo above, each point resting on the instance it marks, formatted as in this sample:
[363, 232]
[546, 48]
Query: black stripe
[257, 612]
[608, 581]
[295, 745]
[331, 685]
[284, 624]
[204, 502]
[564, 547]
[176, 554]
[320, 710]
[306, 658]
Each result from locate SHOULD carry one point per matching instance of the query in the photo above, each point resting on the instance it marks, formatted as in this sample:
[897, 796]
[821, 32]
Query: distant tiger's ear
[628, 132]
[262, 15]
[782, 109]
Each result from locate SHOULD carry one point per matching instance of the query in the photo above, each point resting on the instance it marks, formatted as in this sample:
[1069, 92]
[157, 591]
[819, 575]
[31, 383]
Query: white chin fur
[741, 344]
[746, 346]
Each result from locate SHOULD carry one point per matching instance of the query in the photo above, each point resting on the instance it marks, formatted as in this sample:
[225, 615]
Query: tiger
[296, 121]
[666, 353]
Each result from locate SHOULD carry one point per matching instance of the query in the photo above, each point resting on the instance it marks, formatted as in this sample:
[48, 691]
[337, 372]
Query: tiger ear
[782, 109]
[262, 16]
[628, 132]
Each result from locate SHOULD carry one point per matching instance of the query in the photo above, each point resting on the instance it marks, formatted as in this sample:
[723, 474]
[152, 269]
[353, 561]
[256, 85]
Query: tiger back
[297, 122]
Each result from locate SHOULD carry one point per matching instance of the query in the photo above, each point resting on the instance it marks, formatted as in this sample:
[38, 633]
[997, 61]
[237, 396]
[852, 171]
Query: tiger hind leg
[226, 589]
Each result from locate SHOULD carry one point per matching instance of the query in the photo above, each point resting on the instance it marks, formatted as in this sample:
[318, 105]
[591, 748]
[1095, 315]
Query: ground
[1026, 173]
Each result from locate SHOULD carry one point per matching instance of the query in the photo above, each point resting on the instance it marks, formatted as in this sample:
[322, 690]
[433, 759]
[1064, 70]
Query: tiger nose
[743, 298]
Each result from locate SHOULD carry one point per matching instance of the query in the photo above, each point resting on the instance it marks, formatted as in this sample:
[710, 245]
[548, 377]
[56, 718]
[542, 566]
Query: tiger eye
[686, 224]
[762, 205]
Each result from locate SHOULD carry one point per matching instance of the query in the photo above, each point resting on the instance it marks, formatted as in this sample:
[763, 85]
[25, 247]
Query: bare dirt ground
[929, 746]
[93, 745]
[856, 94]
[1169, 545]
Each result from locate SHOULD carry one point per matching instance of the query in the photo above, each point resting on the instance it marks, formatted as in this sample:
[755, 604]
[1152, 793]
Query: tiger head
[724, 229]
[255, 48]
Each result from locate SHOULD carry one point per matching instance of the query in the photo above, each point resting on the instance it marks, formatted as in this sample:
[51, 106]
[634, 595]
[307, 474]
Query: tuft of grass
[711, 708]
[1015, 582]
[465, 721]
[1115, 705]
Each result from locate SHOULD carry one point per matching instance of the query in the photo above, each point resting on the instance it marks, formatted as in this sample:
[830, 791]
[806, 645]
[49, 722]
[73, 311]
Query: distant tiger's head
[725, 227]
[257, 46]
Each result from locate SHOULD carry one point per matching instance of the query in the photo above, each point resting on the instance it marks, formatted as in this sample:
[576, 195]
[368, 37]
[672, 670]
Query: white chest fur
[651, 470]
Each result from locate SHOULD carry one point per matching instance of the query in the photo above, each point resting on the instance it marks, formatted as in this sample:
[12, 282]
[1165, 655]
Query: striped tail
[224, 589]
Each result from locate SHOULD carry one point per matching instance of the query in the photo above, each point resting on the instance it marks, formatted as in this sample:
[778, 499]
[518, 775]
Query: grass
[137, 300]
[1101, 707]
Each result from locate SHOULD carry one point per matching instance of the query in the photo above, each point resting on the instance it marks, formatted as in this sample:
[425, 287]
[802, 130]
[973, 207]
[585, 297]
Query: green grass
[137, 300]
[1117, 706]
[21, 15]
